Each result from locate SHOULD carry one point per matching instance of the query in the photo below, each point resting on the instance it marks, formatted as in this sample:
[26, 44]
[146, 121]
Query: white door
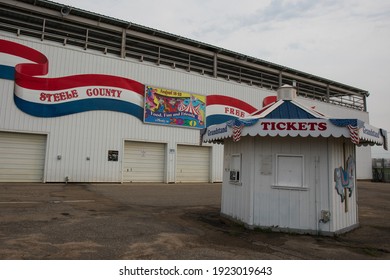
[22, 157]
[143, 162]
[193, 164]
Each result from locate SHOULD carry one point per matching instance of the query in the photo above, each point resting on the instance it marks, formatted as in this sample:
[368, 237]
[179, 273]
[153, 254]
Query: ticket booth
[290, 168]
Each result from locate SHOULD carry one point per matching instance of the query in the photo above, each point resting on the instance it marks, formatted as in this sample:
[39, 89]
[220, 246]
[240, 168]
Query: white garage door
[143, 162]
[22, 157]
[193, 164]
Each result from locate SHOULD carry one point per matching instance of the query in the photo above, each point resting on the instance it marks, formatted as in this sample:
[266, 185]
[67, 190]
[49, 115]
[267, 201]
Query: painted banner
[222, 108]
[171, 107]
[41, 96]
[54, 97]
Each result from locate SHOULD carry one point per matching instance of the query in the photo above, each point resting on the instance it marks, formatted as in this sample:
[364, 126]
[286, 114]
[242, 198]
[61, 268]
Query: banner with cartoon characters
[171, 107]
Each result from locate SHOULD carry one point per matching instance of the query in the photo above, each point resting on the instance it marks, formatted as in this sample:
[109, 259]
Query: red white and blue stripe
[221, 108]
[39, 96]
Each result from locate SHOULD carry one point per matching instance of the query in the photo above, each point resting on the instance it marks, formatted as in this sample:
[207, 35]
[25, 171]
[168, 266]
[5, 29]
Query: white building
[77, 112]
[291, 168]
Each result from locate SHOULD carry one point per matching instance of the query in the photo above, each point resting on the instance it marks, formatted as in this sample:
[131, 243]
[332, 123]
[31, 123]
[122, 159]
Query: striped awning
[290, 118]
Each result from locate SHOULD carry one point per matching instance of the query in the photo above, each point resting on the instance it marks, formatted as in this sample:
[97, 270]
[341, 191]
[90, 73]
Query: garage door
[193, 164]
[143, 162]
[22, 157]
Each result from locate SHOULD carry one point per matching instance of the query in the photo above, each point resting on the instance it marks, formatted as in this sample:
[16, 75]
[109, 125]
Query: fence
[381, 170]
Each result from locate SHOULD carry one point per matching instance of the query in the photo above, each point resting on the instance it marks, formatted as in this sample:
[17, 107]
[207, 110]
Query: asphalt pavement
[167, 221]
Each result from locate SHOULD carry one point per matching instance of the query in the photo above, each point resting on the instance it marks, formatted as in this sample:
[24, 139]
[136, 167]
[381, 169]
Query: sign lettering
[321, 126]
[234, 112]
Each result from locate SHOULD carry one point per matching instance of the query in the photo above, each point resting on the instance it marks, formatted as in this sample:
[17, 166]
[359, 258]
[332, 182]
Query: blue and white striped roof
[287, 109]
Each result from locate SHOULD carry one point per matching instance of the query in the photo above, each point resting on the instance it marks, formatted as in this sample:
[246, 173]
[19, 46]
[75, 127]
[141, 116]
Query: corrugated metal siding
[192, 164]
[342, 216]
[22, 157]
[258, 203]
[236, 197]
[92, 134]
[289, 208]
[217, 163]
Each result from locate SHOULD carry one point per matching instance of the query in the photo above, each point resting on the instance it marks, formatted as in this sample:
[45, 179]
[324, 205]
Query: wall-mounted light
[59, 157]
[65, 10]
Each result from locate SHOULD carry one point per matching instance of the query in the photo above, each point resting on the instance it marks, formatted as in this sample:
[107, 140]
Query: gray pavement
[166, 221]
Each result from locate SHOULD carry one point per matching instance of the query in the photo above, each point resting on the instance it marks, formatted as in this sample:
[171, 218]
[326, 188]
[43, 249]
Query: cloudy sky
[343, 40]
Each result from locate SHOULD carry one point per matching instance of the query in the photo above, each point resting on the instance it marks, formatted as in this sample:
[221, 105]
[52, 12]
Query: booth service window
[289, 171]
[235, 168]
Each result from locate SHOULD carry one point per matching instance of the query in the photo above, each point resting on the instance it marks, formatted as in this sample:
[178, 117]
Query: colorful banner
[170, 107]
[45, 97]
[54, 97]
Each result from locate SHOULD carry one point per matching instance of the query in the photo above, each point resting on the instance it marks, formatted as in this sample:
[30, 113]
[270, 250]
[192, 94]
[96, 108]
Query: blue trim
[345, 122]
[218, 119]
[7, 72]
[73, 107]
[242, 122]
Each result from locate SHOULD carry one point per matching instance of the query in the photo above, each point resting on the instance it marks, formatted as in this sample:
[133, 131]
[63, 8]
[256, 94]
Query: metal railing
[124, 43]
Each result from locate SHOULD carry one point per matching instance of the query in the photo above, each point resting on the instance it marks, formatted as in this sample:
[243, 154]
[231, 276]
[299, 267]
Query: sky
[347, 41]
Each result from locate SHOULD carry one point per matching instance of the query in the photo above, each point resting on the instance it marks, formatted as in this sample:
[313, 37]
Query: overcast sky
[343, 40]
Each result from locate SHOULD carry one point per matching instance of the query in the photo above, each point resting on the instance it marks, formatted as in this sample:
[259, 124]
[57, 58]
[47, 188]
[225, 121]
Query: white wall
[258, 200]
[92, 134]
[344, 214]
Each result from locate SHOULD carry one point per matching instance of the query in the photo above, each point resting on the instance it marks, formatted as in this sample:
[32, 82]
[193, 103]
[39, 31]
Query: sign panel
[370, 133]
[171, 107]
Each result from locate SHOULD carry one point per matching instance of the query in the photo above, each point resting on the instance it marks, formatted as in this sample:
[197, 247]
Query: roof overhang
[357, 131]
[287, 117]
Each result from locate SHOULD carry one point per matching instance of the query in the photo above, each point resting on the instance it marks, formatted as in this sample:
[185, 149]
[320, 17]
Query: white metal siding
[256, 202]
[143, 162]
[22, 157]
[91, 134]
[342, 216]
[236, 198]
[216, 163]
[290, 208]
[193, 164]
